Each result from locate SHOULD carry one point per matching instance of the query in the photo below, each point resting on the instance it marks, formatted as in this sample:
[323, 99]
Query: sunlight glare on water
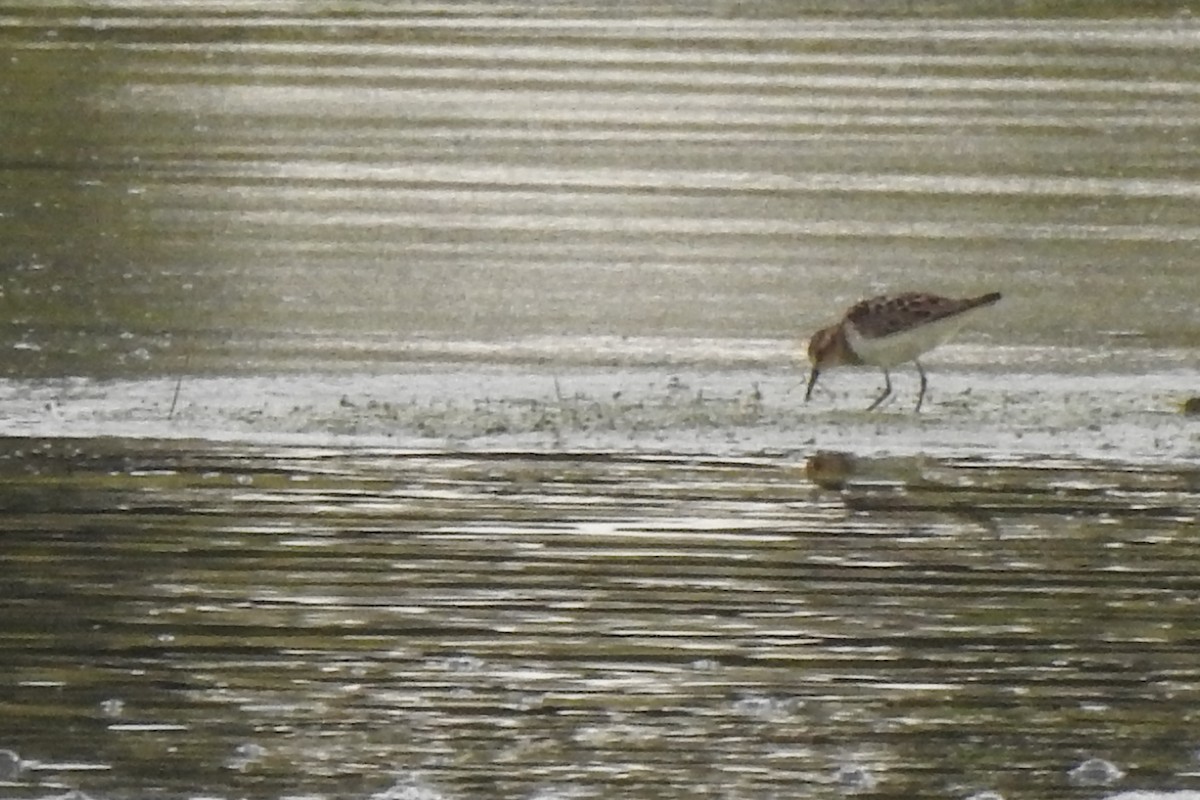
[646, 625]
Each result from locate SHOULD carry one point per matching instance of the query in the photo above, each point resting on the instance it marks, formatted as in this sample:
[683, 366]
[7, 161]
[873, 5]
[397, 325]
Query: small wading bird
[889, 330]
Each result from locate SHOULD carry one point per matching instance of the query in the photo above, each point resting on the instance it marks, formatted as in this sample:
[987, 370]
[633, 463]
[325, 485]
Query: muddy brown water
[404, 403]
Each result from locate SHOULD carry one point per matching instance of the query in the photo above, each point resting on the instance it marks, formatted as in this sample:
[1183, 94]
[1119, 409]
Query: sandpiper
[889, 330]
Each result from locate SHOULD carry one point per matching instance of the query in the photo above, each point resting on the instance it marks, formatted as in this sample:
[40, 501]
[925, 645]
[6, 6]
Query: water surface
[271, 621]
[404, 402]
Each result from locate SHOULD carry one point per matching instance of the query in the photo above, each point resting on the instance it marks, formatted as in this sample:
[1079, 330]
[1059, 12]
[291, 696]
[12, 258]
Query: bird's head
[827, 348]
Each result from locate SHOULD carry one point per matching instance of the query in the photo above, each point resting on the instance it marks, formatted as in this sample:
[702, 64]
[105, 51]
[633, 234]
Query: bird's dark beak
[812, 381]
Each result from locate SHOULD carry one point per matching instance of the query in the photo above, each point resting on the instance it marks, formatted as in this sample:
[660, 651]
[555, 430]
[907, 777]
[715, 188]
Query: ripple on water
[578, 615]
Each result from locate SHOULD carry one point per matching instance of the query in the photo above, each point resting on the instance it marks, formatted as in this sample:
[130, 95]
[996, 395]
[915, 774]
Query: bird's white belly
[899, 348]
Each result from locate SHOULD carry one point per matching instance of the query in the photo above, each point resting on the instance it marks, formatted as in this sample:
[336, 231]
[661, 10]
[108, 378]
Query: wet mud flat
[985, 402]
[270, 613]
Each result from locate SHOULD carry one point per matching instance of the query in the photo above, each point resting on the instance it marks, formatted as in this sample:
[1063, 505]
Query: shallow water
[404, 403]
[217, 187]
[279, 620]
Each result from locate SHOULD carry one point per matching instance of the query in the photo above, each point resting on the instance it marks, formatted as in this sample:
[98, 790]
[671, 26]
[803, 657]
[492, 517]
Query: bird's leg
[924, 382]
[887, 390]
[812, 382]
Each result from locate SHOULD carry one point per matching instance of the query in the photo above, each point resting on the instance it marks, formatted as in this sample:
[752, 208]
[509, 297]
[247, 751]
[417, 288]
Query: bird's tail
[983, 300]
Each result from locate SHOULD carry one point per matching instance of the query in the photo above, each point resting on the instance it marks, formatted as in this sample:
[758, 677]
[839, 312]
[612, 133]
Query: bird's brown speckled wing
[885, 315]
